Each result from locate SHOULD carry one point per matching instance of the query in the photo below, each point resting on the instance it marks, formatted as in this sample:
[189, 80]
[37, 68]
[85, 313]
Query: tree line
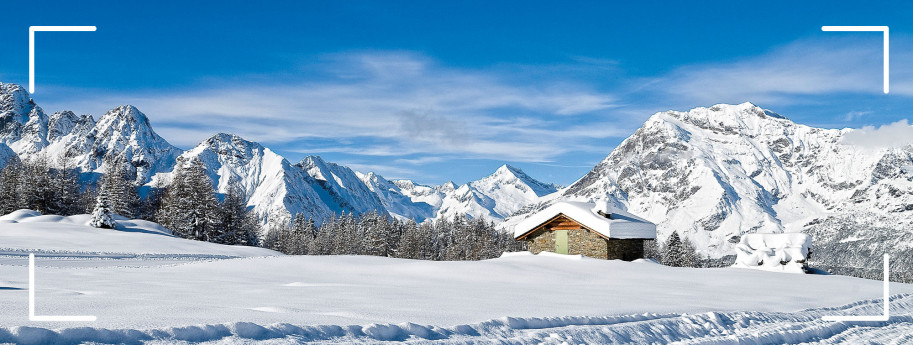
[675, 251]
[377, 234]
[192, 209]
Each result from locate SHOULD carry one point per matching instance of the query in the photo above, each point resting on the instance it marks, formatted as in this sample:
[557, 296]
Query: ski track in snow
[802, 327]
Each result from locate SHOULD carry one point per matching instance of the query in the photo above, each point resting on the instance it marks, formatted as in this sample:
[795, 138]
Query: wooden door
[561, 241]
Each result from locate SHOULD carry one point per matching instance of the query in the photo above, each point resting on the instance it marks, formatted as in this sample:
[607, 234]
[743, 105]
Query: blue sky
[437, 91]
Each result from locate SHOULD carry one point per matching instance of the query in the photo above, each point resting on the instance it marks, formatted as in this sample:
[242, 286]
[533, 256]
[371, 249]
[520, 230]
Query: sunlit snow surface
[209, 293]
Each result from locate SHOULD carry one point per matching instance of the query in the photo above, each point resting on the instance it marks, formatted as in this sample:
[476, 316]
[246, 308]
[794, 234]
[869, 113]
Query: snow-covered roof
[615, 224]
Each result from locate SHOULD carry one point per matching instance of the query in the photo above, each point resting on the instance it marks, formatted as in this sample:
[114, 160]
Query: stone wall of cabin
[626, 250]
[542, 241]
[586, 243]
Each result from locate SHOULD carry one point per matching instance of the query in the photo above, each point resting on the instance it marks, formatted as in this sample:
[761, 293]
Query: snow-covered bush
[774, 252]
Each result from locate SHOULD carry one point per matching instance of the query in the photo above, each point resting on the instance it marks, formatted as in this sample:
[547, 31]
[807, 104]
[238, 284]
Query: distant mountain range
[275, 188]
[712, 174]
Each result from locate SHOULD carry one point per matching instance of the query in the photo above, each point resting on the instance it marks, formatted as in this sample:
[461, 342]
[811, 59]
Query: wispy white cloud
[404, 100]
[420, 160]
[895, 134]
[786, 74]
[855, 115]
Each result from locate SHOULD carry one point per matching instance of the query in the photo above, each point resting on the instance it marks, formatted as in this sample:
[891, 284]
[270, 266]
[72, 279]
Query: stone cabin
[594, 230]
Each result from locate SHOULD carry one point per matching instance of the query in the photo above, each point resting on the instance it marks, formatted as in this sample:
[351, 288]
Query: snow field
[180, 291]
[534, 291]
[804, 327]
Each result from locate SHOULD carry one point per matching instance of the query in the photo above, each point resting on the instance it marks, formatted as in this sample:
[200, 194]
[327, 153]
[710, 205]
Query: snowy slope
[395, 199]
[716, 173]
[340, 188]
[26, 231]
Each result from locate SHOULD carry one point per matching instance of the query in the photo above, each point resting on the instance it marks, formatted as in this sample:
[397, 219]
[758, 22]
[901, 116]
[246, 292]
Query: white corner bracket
[32, 316]
[887, 309]
[32, 30]
[883, 29]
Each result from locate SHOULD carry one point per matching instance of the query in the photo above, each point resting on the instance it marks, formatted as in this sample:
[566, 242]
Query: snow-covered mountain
[274, 188]
[23, 125]
[716, 173]
[277, 190]
[396, 200]
[68, 140]
[493, 197]
[121, 132]
[339, 187]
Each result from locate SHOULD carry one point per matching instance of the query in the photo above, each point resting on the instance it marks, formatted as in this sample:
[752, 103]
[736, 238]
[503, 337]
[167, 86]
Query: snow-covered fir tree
[189, 206]
[238, 224]
[119, 187]
[66, 192]
[9, 188]
[677, 252]
[34, 185]
[101, 215]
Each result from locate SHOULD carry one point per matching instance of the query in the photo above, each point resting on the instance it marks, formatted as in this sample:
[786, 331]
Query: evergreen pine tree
[376, 230]
[9, 188]
[410, 243]
[189, 206]
[65, 186]
[101, 215]
[34, 185]
[119, 187]
[235, 219]
[678, 253]
[652, 250]
[672, 251]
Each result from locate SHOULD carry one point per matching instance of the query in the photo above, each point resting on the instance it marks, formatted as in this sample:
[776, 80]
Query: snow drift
[774, 252]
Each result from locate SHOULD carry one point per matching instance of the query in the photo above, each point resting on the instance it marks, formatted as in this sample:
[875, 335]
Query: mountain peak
[728, 119]
[508, 169]
[314, 161]
[230, 144]
[15, 100]
[746, 108]
[229, 139]
[127, 113]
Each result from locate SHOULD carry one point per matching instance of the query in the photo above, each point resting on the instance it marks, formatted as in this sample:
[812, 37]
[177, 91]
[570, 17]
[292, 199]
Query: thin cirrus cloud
[788, 74]
[405, 100]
